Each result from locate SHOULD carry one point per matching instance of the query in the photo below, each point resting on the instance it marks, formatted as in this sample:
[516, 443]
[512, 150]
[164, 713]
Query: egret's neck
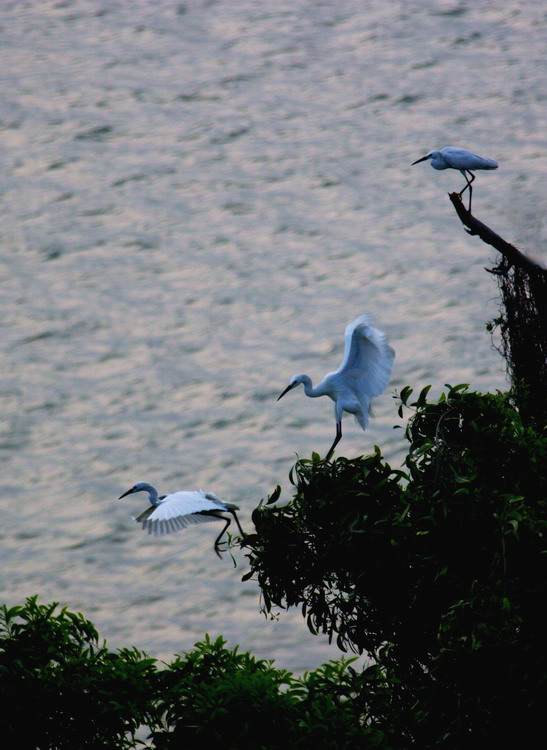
[152, 495]
[309, 390]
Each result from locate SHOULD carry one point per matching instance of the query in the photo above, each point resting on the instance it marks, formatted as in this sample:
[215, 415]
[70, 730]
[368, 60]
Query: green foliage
[342, 708]
[60, 689]
[438, 573]
[315, 550]
[218, 698]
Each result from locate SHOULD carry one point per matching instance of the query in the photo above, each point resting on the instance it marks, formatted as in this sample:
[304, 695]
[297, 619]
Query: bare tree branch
[476, 227]
[523, 321]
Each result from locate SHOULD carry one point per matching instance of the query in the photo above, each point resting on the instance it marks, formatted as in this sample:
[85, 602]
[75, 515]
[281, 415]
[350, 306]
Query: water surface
[197, 197]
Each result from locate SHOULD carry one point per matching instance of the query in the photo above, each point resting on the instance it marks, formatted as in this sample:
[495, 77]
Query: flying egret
[364, 373]
[459, 158]
[168, 513]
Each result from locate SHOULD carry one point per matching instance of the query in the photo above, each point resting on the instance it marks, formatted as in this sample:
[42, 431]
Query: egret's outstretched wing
[368, 358]
[365, 320]
[458, 158]
[179, 510]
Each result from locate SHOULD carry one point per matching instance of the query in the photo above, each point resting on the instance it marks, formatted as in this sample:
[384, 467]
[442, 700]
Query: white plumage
[364, 373]
[459, 158]
[170, 513]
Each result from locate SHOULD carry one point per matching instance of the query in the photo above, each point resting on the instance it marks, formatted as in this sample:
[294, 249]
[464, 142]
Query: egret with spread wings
[168, 513]
[364, 373]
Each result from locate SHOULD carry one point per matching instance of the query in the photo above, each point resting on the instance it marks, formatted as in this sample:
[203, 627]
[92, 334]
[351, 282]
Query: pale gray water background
[197, 197]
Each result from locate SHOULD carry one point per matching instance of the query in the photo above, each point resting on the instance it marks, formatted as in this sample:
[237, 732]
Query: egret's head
[430, 155]
[295, 380]
[139, 487]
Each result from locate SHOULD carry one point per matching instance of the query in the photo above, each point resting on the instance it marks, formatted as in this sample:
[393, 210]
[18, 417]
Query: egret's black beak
[419, 160]
[126, 493]
[288, 388]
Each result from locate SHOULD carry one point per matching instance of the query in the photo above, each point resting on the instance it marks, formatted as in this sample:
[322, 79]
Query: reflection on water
[197, 198]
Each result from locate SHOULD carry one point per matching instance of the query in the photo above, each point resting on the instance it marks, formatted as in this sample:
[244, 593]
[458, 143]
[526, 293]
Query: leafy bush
[219, 698]
[438, 573]
[60, 689]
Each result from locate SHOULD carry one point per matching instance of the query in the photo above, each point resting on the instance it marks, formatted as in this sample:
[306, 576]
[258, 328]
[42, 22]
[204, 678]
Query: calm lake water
[197, 197]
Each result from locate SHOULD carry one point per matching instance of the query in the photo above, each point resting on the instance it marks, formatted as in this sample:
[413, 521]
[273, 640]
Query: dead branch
[523, 321]
[476, 227]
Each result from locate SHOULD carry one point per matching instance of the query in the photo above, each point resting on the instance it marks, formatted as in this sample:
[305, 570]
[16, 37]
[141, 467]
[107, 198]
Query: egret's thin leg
[219, 537]
[470, 189]
[237, 521]
[336, 440]
[468, 185]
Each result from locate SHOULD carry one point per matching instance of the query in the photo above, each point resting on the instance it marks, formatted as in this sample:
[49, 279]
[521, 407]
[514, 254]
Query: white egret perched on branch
[364, 373]
[459, 158]
[168, 513]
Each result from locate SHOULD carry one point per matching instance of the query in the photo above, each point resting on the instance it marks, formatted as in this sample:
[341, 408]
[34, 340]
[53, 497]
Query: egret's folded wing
[457, 158]
[369, 360]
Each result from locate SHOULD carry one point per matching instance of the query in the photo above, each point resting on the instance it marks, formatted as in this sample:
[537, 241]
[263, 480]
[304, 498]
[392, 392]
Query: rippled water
[197, 197]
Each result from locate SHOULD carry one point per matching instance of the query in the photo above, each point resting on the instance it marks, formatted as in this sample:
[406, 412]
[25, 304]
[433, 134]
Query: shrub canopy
[438, 572]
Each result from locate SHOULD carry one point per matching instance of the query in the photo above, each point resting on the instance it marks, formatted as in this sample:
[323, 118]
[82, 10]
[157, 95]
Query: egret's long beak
[419, 160]
[288, 388]
[126, 493]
